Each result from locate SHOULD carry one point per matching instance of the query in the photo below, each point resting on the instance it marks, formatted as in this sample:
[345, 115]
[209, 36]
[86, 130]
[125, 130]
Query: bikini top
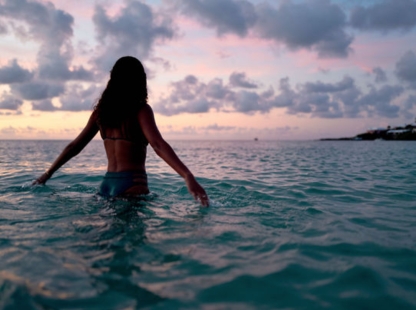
[130, 131]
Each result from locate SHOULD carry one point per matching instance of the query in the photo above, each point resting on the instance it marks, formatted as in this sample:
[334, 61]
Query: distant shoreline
[400, 133]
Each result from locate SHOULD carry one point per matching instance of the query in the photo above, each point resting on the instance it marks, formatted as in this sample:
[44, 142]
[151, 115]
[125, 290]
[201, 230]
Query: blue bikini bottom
[117, 183]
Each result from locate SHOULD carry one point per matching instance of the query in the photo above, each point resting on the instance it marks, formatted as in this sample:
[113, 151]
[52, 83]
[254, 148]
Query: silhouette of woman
[126, 124]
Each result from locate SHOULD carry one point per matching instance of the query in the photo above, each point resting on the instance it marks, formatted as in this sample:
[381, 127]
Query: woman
[126, 124]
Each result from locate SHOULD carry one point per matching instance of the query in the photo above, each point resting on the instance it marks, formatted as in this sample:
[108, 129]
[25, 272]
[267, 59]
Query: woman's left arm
[72, 149]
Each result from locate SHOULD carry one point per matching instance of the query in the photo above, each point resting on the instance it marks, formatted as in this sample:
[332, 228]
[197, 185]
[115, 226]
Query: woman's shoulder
[145, 111]
[94, 114]
[146, 108]
[95, 117]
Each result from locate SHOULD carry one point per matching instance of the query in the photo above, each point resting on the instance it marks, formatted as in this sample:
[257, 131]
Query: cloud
[56, 68]
[8, 113]
[167, 65]
[43, 105]
[8, 102]
[285, 98]
[192, 96]
[379, 101]
[37, 90]
[349, 99]
[78, 98]
[13, 73]
[226, 16]
[409, 104]
[216, 127]
[8, 131]
[29, 132]
[249, 102]
[345, 99]
[319, 87]
[316, 99]
[380, 75]
[3, 28]
[385, 16]
[52, 28]
[238, 79]
[74, 98]
[410, 101]
[215, 89]
[46, 24]
[406, 68]
[229, 132]
[134, 31]
[318, 25]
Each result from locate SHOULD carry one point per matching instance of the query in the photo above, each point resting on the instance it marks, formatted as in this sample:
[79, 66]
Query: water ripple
[296, 225]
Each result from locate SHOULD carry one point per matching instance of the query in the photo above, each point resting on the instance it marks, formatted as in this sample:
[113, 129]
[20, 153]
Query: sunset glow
[283, 70]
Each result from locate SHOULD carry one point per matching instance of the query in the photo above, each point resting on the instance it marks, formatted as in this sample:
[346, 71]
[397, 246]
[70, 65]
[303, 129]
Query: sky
[217, 69]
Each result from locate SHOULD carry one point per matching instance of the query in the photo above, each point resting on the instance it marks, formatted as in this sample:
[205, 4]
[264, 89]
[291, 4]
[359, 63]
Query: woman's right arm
[72, 149]
[165, 151]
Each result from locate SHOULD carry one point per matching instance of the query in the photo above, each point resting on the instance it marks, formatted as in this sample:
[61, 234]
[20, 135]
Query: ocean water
[292, 225]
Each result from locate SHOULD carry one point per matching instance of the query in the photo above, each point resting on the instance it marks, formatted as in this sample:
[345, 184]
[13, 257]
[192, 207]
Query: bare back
[124, 155]
[125, 146]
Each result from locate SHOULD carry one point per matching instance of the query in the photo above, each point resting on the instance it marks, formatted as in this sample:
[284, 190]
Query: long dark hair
[125, 94]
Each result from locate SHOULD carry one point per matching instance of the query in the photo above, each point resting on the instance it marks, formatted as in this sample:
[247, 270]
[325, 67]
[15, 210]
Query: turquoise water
[293, 225]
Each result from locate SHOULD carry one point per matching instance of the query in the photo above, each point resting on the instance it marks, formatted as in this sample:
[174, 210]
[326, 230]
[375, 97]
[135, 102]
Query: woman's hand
[42, 179]
[197, 190]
